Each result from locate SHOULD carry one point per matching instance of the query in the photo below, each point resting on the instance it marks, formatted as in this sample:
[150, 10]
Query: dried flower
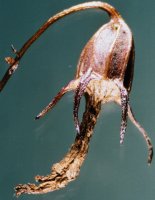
[104, 74]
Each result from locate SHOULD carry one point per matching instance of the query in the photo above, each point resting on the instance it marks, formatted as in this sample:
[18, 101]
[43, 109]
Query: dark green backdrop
[29, 147]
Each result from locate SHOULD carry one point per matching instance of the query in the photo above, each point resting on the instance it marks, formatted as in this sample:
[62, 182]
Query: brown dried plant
[104, 74]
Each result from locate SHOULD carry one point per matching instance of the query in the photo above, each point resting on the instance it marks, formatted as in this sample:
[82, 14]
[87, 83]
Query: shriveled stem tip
[69, 167]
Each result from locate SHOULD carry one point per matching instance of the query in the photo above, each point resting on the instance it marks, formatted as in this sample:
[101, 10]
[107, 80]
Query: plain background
[29, 147]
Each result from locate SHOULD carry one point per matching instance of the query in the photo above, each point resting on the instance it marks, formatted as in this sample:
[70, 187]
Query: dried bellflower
[104, 74]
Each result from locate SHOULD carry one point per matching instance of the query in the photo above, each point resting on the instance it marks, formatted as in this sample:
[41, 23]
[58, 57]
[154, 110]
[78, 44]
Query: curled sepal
[124, 101]
[124, 105]
[84, 81]
[72, 85]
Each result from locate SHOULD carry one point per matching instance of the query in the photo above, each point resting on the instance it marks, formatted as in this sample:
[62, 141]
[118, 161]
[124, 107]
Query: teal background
[29, 147]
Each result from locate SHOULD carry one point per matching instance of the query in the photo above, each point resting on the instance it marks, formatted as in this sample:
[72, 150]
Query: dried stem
[14, 62]
[69, 167]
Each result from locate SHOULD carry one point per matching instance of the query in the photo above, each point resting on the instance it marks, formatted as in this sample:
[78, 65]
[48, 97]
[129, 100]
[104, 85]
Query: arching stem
[14, 62]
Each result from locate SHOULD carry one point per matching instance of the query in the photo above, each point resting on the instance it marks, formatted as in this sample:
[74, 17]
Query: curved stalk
[14, 62]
